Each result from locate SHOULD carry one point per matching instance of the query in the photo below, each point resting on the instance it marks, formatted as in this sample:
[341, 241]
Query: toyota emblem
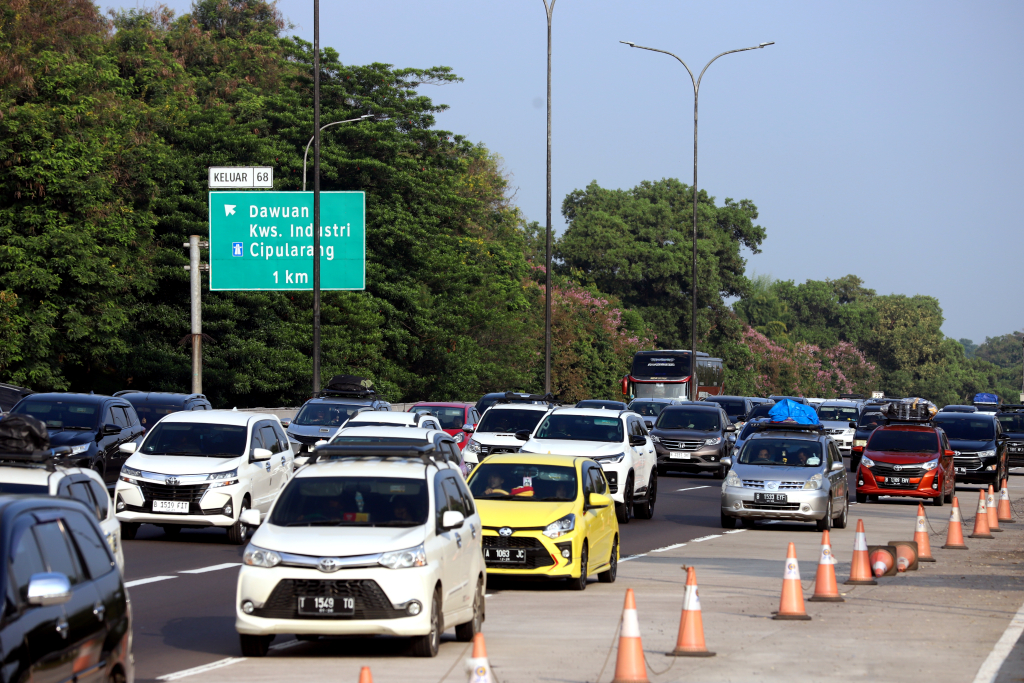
[898, 468]
[504, 531]
[172, 481]
[328, 565]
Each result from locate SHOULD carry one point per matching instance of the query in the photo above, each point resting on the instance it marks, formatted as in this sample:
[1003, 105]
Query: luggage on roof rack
[425, 453]
[349, 385]
[909, 410]
[23, 434]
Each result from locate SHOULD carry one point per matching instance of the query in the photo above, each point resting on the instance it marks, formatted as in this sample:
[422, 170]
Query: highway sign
[264, 241]
[239, 177]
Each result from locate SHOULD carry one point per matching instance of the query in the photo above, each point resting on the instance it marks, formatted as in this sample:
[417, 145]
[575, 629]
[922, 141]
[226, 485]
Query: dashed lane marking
[990, 667]
[668, 547]
[203, 570]
[200, 669]
[633, 557]
[152, 579]
[734, 531]
[693, 488]
[705, 538]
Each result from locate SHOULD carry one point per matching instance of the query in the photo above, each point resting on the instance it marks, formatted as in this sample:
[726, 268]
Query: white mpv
[365, 540]
[202, 469]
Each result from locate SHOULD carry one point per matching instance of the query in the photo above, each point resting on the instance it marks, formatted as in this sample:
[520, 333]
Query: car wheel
[428, 645]
[255, 646]
[646, 509]
[116, 676]
[862, 498]
[746, 523]
[465, 632]
[581, 583]
[825, 523]
[938, 500]
[720, 473]
[840, 523]
[128, 530]
[608, 575]
[728, 522]
[237, 531]
[624, 510]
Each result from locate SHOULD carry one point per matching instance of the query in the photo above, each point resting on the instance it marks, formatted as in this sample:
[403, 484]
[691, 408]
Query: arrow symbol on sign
[229, 209]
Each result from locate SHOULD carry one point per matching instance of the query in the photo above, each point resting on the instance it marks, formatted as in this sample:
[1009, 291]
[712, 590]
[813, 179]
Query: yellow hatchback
[546, 516]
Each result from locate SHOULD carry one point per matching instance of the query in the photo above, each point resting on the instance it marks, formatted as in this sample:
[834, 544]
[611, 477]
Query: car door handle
[99, 610]
[62, 627]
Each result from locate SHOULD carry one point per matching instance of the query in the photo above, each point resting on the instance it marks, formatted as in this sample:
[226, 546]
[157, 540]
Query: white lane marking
[668, 547]
[734, 531]
[693, 488]
[705, 538]
[152, 579]
[633, 557]
[285, 645]
[990, 667]
[200, 669]
[203, 570]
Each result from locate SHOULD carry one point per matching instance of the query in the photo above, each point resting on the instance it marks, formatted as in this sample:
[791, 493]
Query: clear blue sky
[876, 138]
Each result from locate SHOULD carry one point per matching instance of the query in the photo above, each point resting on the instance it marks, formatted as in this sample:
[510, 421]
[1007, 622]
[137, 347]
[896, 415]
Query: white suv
[202, 469]
[496, 432]
[617, 440]
[365, 540]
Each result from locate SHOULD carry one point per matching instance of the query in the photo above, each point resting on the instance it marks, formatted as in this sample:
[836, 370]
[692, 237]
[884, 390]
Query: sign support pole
[195, 280]
[316, 196]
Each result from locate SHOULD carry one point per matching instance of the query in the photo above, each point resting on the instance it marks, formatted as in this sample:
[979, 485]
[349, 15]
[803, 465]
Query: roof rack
[47, 459]
[1008, 407]
[923, 421]
[362, 393]
[341, 451]
[853, 396]
[787, 426]
[512, 397]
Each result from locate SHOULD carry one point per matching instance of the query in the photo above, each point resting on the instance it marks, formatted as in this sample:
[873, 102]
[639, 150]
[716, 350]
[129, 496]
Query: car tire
[580, 584]
[862, 498]
[948, 497]
[841, 521]
[608, 575]
[747, 523]
[428, 645]
[465, 632]
[255, 646]
[646, 509]
[728, 522]
[624, 510]
[825, 523]
[129, 530]
[719, 473]
[238, 531]
[938, 500]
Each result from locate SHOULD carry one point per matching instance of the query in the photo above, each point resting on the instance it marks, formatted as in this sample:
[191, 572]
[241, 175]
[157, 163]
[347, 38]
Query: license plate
[961, 470]
[331, 606]
[506, 555]
[678, 455]
[770, 498]
[897, 480]
[179, 507]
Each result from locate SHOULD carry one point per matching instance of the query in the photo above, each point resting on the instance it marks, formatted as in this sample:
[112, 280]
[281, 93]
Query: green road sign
[264, 240]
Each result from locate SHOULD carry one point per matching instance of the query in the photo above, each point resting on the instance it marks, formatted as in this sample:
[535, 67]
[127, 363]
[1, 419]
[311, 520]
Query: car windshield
[352, 501]
[150, 414]
[509, 420]
[196, 439]
[450, 418]
[837, 413]
[667, 364]
[8, 487]
[684, 418]
[580, 428]
[510, 481]
[870, 421]
[647, 408]
[904, 441]
[355, 439]
[733, 408]
[781, 453]
[1012, 422]
[61, 414]
[325, 414]
[967, 427]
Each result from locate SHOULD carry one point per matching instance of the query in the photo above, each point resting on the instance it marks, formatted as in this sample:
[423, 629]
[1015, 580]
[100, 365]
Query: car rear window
[732, 407]
[909, 442]
[149, 414]
[870, 420]
[8, 487]
[967, 427]
[682, 418]
[450, 418]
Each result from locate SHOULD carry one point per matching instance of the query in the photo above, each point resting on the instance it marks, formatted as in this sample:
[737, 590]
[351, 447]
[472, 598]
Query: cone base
[926, 559]
[860, 582]
[981, 536]
[954, 547]
[826, 598]
[995, 531]
[631, 680]
[1007, 521]
[687, 653]
[791, 617]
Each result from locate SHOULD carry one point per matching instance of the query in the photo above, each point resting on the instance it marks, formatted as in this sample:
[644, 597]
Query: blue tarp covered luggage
[791, 411]
[986, 398]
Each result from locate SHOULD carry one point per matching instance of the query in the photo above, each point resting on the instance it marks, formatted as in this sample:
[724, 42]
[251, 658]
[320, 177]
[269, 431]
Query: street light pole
[364, 116]
[548, 9]
[316, 197]
[693, 285]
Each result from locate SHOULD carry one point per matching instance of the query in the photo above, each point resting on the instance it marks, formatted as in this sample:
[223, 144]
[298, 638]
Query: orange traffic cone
[477, 665]
[690, 642]
[882, 561]
[955, 533]
[629, 662]
[825, 588]
[924, 544]
[990, 508]
[860, 569]
[1004, 514]
[791, 606]
[981, 529]
[365, 676]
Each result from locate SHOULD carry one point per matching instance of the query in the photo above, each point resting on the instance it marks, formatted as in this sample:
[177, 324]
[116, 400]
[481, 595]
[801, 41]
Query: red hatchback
[912, 460]
[452, 416]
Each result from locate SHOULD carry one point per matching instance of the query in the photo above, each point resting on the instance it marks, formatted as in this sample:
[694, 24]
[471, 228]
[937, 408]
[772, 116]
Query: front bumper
[926, 486]
[544, 556]
[844, 442]
[381, 599]
[801, 505]
[207, 507]
[705, 459]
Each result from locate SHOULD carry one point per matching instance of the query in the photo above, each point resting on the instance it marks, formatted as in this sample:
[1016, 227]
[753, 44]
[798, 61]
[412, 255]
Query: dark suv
[153, 405]
[979, 444]
[868, 421]
[738, 408]
[93, 426]
[66, 615]
[1011, 420]
[692, 438]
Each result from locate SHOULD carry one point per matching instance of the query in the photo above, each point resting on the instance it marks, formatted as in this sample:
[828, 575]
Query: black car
[738, 408]
[692, 438]
[66, 616]
[650, 408]
[979, 446]
[93, 426]
[866, 423]
[1011, 419]
[151, 406]
[958, 409]
[602, 404]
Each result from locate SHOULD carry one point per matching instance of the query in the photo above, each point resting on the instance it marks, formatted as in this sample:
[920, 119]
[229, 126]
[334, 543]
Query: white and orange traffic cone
[882, 561]
[690, 642]
[825, 587]
[1004, 514]
[906, 555]
[924, 544]
[990, 508]
[955, 532]
[365, 676]
[791, 605]
[629, 661]
[478, 667]
[981, 529]
[860, 568]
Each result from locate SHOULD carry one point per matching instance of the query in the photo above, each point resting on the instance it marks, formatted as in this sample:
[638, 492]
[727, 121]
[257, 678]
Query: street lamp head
[628, 42]
[366, 116]
[766, 44]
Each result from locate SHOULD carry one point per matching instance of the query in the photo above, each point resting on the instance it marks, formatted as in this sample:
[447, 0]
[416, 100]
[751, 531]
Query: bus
[666, 374]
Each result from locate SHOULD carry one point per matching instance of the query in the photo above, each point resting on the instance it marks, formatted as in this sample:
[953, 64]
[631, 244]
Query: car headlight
[220, 479]
[609, 459]
[402, 559]
[473, 446]
[655, 438]
[560, 527]
[80, 448]
[129, 474]
[814, 483]
[460, 437]
[860, 442]
[731, 479]
[986, 454]
[930, 465]
[713, 442]
[258, 557]
[867, 462]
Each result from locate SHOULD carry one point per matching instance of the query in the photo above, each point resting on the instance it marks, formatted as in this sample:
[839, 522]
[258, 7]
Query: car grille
[494, 450]
[536, 554]
[969, 463]
[759, 484]
[835, 431]
[682, 445]
[882, 469]
[371, 602]
[749, 505]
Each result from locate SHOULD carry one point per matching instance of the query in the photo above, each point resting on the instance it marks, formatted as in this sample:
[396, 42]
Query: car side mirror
[128, 448]
[452, 519]
[1002, 437]
[468, 428]
[727, 461]
[649, 423]
[838, 466]
[635, 440]
[286, 423]
[260, 454]
[49, 588]
[250, 517]
[950, 454]
[110, 429]
[730, 428]
[523, 435]
[598, 500]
